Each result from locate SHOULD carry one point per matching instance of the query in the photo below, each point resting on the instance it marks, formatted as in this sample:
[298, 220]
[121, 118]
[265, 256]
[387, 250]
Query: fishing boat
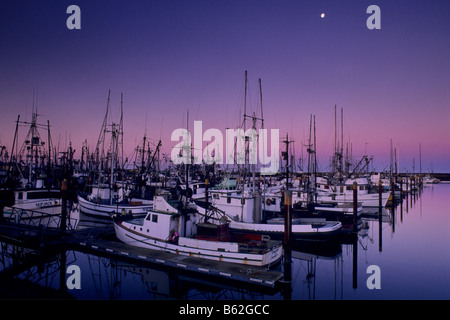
[44, 200]
[303, 206]
[175, 228]
[302, 228]
[41, 212]
[244, 215]
[103, 202]
[428, 179]
[344, 193]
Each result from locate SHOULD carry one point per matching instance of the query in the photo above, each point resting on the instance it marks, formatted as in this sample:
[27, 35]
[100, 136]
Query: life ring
[268, 201]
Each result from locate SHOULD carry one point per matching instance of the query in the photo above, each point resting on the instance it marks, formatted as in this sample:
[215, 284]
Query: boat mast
[49, 164]
[245, 129]
[335, 147]
[262, 127]
[113, 151]
[311, 162]
[12, 149]
[143, 154]
[101, 138]
[187, 171]
[120, 140]
[315, 162]
[342, 142]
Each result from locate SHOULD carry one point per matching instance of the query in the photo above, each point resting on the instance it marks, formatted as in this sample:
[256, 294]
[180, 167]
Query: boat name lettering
[44, 204]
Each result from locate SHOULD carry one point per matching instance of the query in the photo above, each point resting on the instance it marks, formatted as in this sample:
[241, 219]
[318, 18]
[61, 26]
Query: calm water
[410, 247]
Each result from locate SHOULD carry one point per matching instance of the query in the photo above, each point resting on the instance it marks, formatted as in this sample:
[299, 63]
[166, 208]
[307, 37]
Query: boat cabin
[165, 222]
[363, 185]
[238, 205]
[23, 195]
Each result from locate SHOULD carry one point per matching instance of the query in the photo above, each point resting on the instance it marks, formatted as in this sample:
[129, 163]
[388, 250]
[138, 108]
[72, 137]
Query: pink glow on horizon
[167, 57]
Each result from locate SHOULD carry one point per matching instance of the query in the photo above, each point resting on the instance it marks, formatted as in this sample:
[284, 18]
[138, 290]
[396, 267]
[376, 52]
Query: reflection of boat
[156, 282]
[323, 249]
[170, 227]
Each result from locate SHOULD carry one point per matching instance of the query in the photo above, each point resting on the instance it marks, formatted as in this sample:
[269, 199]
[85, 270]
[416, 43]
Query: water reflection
[306, 257]
[27, 273]
[106, 278]
[403, 241]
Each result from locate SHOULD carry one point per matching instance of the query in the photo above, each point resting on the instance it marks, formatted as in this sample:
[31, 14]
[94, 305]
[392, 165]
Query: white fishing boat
[302, 228]
[43, 200]
[103, 202]
[107, 199]
[239, 205]
[428, 179]
[244, 216]
[327, 208]
[344, 193]
[171, 228]
[40, 217]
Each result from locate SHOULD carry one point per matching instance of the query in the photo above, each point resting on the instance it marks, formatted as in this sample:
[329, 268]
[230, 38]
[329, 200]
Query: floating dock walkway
[101, 241]
[237, 272]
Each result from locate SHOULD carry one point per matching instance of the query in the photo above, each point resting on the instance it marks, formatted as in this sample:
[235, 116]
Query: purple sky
[167, 57]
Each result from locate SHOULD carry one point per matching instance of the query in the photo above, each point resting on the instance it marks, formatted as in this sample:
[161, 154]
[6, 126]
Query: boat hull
[366, 200]
[107, 211]
[211, 250]
[275, 229]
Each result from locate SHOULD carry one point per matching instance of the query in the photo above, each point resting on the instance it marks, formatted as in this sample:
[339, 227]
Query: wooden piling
[355, 205]
[380, 232]
[401, 188]
[287, 254]
[62, 225]
[206, 193]
[287, 218]
[355, 261]
[407, 186]
[380, 196]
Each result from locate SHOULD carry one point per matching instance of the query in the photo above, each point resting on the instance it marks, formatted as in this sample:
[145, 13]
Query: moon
[322, 15]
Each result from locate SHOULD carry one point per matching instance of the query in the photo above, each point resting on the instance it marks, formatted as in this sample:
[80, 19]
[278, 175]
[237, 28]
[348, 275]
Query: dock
[102, 241]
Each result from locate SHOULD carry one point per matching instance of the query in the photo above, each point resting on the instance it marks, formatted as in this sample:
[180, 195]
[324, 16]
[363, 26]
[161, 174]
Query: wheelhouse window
[43, 194]
[155, 218]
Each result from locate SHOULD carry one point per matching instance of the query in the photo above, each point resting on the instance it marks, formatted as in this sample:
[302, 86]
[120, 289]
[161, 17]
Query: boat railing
[258, 246]
[37, 219]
